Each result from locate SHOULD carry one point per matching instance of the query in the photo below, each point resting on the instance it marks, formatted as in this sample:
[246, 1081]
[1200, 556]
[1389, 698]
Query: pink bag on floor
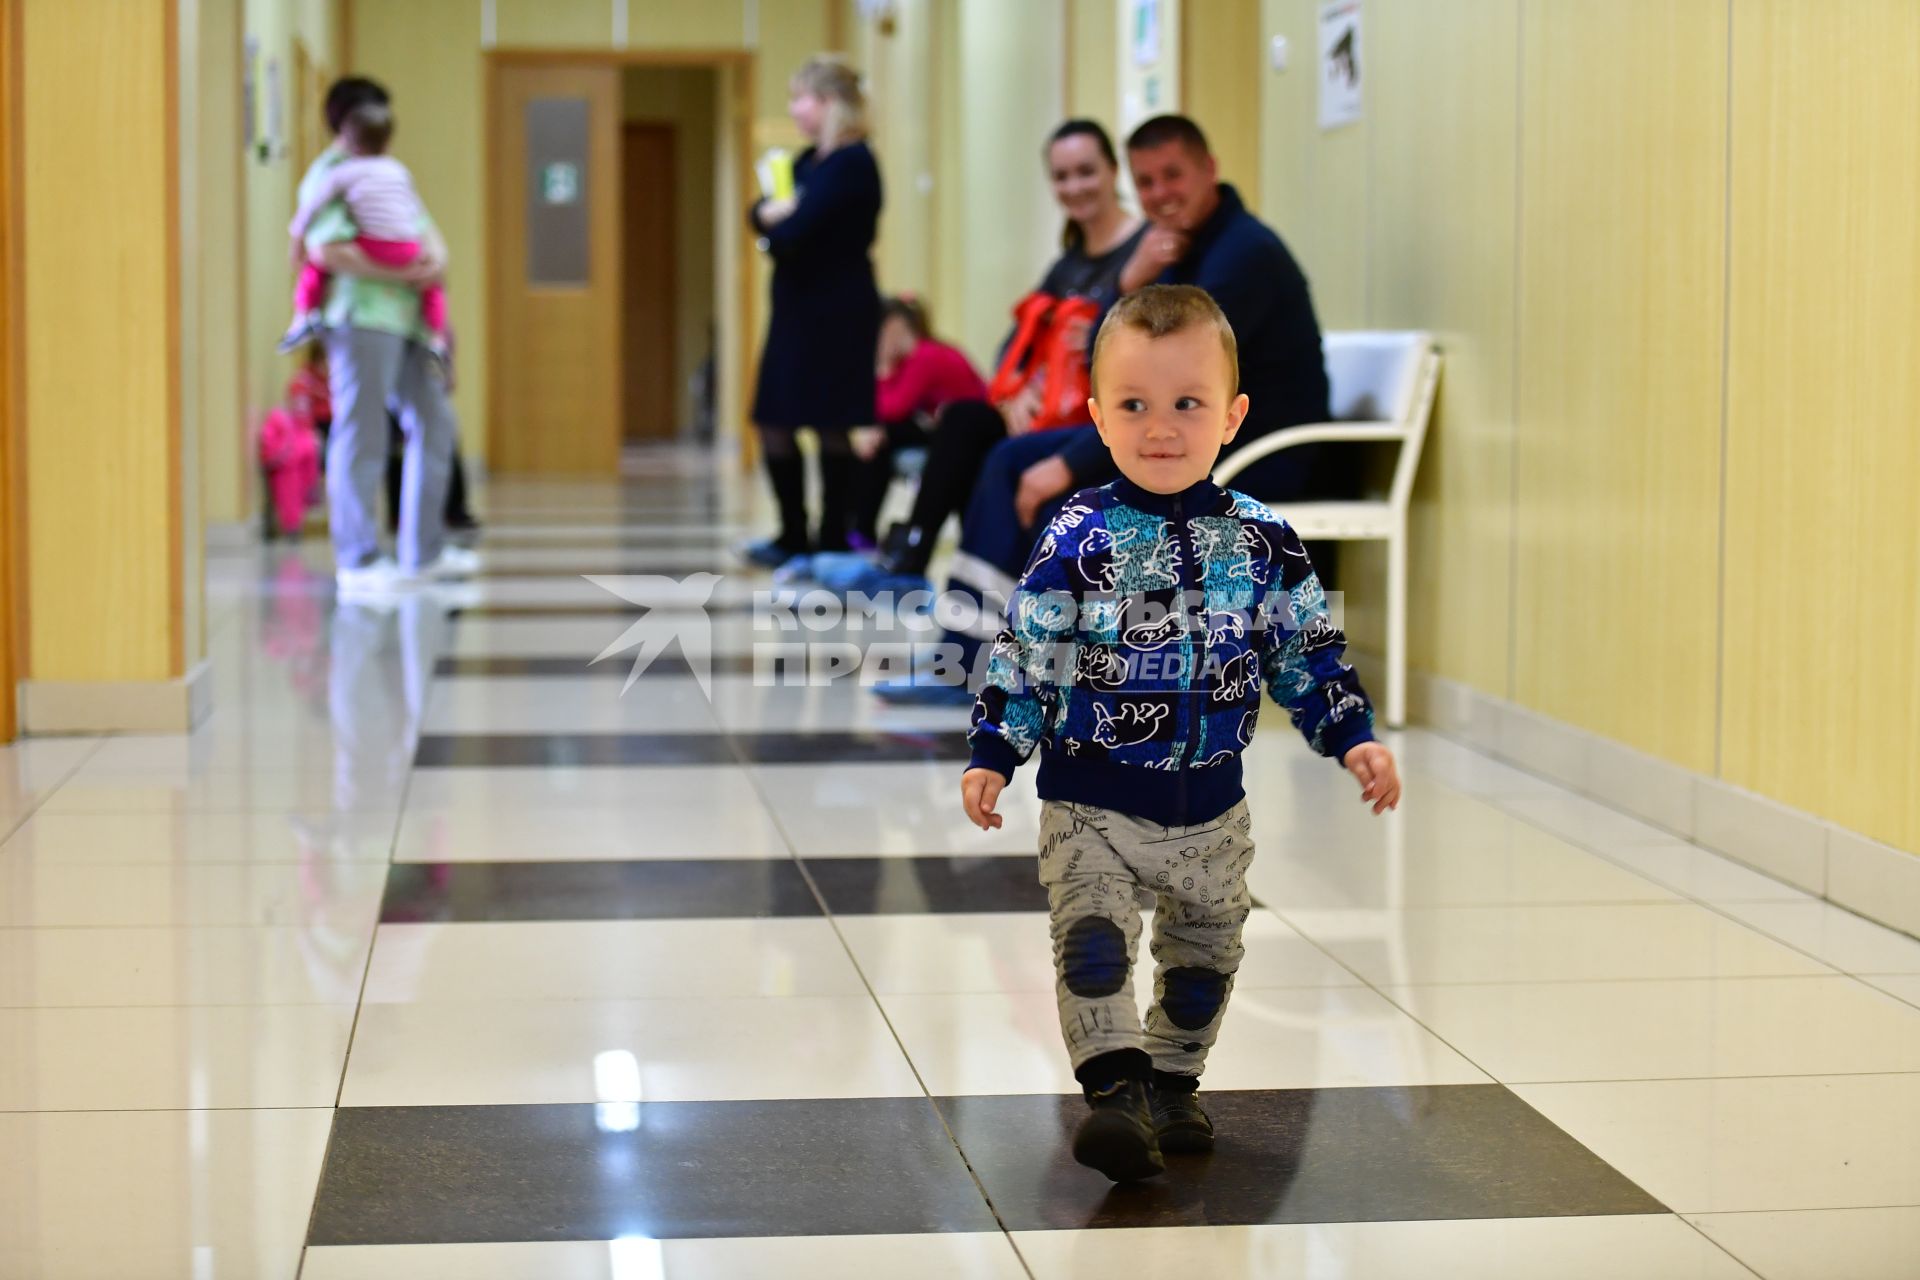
[291, 457]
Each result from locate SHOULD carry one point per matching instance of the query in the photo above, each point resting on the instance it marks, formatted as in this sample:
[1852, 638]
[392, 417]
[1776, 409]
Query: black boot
[787, 471]
[1117, 1136]
[1178, 1122]
[839, 476]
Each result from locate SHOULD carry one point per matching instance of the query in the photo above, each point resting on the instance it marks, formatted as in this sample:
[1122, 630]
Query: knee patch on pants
[1191, 997]
[1093, 957]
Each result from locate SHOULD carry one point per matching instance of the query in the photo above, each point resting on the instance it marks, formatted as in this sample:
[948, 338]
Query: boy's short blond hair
[1162, 309]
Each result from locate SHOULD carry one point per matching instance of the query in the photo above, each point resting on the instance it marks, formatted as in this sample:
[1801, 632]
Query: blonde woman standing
[817, 367]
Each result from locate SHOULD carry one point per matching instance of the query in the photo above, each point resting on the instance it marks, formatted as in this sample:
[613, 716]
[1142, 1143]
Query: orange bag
[1043, 347]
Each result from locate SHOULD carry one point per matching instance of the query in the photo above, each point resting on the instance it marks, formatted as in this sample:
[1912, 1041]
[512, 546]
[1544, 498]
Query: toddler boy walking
[1151, 613]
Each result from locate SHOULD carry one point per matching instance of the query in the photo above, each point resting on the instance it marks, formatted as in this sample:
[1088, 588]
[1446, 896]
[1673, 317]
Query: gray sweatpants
[367, 370]
[1100, 867]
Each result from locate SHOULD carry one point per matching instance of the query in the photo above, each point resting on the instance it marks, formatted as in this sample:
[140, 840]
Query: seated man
[1202, 235]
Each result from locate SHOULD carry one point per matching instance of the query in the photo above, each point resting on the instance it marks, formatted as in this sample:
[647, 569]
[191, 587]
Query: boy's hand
[1379, 777]
[979, 789]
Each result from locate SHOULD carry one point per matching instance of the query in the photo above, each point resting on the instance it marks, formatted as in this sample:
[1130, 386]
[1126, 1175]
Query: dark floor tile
[717, 888]
[665, 664]
[575, 750]
[717, 562]
[936, 885]
[607, 608]
[1301, 1155]
[414, 1175]
[852, 747]
[689, 538]
[547, 750]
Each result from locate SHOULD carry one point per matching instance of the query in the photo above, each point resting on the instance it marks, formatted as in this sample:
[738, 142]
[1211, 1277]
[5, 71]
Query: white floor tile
[586, 833]
[52, 894]
[1425, 753]
[235, 745]
[309, 839]
[653, 561]
[744, 704]
[589, 704]
[608, 960]
[646, 792]
[1646, 1247]
[1274, 1038]
[1583, 821]
[1821, 1244]
[45, 968]
[678, 1050]
[1011, 952]
[1844, 940]
[172, 1058]
[160, 1195]
[944, 1256]
[1700, 873]
[1661, 1030]
[1789, 1142]
[1464, 854]
[840, 810]
[1546, 944]
[99, 792]
[1904, 986]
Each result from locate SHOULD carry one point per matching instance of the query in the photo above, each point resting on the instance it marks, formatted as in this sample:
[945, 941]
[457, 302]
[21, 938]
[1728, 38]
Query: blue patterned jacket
[1138, 641]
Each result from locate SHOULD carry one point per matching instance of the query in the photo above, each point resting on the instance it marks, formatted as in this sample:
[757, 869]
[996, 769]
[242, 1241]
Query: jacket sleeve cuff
[990, 751]
[1343, 738]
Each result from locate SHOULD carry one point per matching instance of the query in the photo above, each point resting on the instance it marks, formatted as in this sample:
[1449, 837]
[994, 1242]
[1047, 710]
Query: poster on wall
[274, 142]
[248, 102]
[1339, 63]
[1146, 32]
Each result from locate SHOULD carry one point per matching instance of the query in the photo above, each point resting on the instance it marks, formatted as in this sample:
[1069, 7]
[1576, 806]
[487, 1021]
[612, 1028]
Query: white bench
[1382, 390]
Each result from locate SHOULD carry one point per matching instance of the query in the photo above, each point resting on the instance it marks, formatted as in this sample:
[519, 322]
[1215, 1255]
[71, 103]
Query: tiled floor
[434, 954]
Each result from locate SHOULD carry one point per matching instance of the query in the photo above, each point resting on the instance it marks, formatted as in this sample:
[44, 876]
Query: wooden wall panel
[1622, 245]
[1313, 184]
[543, 24]
[1822, 643]
[708, 24]
[101, 431]
[1442, 232]
[1222, 59]
[427, 52]
[1092, 84]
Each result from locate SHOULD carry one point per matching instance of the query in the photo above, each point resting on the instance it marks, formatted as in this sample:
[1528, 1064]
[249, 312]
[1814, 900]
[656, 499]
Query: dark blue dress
[817, 368]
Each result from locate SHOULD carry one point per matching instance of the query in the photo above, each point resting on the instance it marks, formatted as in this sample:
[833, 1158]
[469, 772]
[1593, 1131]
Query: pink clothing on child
[379, 194]
[932, 376]
[291, 455]
[312, 286]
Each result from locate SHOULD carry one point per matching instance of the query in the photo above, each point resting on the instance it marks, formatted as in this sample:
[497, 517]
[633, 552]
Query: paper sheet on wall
[1340, 66]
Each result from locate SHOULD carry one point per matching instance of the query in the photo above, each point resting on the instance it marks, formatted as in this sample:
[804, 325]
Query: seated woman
[1099, 239]
[918, 376]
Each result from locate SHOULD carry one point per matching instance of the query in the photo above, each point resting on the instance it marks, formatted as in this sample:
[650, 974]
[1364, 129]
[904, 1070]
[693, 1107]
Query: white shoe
[452, 562]
[381, 578]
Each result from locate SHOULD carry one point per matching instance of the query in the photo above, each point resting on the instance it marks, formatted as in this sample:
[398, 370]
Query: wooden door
[649, 292]
[554, 197]
[12, 518]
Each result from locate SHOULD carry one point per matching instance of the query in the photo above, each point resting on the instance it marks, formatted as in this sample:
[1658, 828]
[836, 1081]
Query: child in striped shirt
[379, 193]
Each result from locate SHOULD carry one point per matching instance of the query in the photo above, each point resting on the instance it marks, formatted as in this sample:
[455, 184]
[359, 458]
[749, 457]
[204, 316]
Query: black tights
[787, 471]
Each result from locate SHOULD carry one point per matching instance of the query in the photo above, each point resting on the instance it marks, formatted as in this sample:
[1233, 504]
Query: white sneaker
[452, 562]
[380, 578]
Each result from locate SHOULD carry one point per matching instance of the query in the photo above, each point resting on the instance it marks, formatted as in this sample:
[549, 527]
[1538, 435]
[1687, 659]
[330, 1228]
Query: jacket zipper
[1189, 746]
